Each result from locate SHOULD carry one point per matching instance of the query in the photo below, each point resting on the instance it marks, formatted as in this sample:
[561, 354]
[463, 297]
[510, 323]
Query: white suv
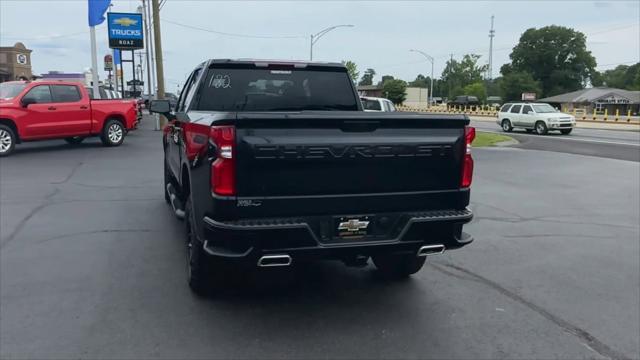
[538, 117]
[376, 104]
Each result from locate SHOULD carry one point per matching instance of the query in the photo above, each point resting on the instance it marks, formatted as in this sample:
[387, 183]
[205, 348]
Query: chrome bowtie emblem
[353, 225]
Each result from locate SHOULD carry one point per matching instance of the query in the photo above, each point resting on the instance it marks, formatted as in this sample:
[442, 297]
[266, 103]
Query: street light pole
[430, 58]
[316, 37]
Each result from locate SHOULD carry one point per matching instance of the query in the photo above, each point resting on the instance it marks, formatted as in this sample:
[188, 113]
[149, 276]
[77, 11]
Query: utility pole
[146, 22]
[492, 33]
[449, 79]
[141, 72]
[158, 48]
[151, 51]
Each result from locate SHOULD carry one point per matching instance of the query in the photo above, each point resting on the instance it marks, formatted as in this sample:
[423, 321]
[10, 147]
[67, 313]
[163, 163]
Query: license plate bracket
[352, 226]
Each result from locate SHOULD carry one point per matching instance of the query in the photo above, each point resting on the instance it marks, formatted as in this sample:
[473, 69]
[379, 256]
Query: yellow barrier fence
[485, 110]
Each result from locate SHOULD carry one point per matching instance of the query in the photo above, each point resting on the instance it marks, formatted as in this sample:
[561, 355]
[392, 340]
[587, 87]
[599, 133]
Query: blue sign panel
[125, 31]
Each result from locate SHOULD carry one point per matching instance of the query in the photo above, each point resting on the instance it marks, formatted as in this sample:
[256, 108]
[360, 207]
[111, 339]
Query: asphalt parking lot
[92, 266]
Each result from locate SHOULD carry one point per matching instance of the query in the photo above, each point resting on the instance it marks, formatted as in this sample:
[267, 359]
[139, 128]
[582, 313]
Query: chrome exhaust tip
[431, 250]
[274, 260]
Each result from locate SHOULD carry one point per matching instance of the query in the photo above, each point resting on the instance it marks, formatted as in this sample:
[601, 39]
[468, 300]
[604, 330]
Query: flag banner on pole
[116, 57]
[97, 8]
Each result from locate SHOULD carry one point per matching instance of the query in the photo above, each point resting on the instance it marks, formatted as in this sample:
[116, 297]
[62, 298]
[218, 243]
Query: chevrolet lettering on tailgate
[348, 151]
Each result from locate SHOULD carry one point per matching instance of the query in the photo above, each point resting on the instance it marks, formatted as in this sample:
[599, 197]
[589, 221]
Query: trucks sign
[125, 31]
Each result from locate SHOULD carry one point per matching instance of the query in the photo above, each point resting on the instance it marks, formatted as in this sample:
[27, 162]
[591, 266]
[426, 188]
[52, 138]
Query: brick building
[15, 63]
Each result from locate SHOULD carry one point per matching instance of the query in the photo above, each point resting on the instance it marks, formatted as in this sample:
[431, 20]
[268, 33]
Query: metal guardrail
[485, 110]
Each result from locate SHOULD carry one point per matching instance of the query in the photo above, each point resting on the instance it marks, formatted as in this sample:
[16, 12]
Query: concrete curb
[580, 124]
[621, 121]
[505, 143]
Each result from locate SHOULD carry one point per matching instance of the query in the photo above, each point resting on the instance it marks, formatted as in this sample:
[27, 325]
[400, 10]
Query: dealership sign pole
[95, 14]
[125, 33]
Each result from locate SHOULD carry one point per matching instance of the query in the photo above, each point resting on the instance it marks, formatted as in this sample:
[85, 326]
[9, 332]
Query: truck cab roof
[275, 62]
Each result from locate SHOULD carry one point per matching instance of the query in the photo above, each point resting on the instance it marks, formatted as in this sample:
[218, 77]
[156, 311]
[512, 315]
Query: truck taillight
[467, 163]
[223, 168]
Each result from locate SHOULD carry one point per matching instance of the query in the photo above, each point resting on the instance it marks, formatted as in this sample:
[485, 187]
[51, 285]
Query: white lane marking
[564, 138]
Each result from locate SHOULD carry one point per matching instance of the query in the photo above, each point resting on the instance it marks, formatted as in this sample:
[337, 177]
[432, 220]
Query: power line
[233, 34]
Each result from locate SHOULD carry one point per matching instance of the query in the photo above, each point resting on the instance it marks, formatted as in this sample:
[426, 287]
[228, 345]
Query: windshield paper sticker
[220, 81]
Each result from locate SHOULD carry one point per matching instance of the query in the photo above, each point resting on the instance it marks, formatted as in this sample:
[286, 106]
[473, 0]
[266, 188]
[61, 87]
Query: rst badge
[352, 227]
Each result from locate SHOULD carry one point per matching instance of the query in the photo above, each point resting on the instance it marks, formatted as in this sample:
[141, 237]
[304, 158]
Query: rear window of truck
[255, 89]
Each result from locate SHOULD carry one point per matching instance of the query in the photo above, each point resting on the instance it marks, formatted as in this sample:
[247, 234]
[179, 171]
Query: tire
[198, 265]
[113, 133]
[398, 266]
[167, 180]
[7, 140]
[566, 131]
[506, 125]
[541, 128]
[74, 140]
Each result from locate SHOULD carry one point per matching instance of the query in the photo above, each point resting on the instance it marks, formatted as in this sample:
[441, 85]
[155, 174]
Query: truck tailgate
[336, 153]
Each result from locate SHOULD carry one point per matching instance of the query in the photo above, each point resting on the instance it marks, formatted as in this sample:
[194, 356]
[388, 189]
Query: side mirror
[530, 113]
[160, 106]
[27, 101]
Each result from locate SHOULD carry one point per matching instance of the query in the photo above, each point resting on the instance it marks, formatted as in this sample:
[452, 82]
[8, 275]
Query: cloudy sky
[382, 35]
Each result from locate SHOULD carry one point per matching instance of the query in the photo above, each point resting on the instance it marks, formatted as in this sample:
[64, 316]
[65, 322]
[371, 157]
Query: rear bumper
[312, 237]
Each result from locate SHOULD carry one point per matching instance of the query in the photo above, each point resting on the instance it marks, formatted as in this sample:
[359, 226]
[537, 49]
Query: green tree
[555, 56]
[622, 77]
[513, 84]
[421, 81]
[367, 78]
[352, 69]
[476, 89]
[384, 79]
[395, 90]
[458, 74]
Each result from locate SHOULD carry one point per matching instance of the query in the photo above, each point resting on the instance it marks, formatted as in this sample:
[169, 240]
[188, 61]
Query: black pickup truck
[275, 163]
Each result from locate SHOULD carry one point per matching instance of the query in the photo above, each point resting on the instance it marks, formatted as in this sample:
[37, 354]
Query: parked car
[464, 101]
[274, 163]
[377, 104]
[538, 117]
[45, 110]
[494, 101]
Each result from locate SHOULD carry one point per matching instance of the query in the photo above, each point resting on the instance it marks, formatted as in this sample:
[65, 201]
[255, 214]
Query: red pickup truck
[43, 110]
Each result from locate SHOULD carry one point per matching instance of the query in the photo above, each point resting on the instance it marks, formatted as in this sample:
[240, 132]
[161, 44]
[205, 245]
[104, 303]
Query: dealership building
[598, 99]
[15, 63]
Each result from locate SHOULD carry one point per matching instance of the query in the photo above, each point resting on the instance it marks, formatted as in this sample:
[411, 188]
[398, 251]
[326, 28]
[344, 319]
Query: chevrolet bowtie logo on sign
[125, 21]
[353, 225]
[125, 31]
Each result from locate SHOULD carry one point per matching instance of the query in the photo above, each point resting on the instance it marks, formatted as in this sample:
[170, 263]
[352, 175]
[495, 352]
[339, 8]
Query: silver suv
[538, 117]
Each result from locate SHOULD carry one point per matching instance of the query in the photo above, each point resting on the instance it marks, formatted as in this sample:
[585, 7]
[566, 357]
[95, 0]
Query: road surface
[92, 265]
[615, 144]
